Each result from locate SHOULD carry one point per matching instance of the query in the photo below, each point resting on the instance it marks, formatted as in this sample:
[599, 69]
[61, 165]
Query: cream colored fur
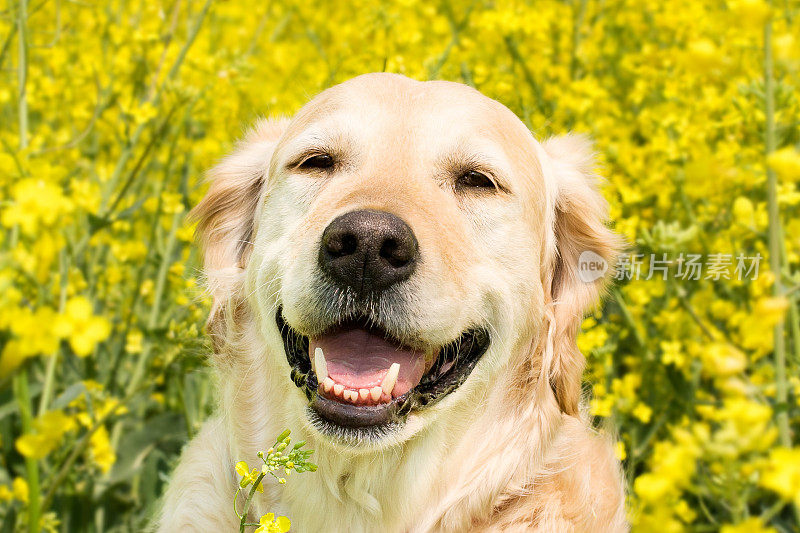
[508, 450]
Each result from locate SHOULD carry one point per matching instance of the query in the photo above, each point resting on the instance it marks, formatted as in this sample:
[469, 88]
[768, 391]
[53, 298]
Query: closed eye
[475, 180]
[474, 174]
[317, 161]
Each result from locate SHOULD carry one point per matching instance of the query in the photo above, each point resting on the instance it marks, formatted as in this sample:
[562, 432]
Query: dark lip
[470, 347]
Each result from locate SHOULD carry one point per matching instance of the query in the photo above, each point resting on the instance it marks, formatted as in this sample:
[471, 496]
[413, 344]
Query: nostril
[394, 254]
[342, 244]
[349, 244]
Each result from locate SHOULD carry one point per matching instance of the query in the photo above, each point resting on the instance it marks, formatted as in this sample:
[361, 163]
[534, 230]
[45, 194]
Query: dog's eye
[318, 161]
[475, 179]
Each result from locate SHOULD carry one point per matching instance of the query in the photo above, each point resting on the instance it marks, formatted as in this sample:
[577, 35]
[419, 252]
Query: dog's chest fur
[439, 481]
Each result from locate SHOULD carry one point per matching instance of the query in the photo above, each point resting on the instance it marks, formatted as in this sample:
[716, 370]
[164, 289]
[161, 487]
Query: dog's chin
[364, 438]
[375, 388]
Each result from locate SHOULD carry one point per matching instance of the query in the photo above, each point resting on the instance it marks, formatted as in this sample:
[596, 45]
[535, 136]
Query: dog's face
[399, 240]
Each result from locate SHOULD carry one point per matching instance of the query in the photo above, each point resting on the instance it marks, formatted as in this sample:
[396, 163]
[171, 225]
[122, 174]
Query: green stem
[22, 73]
[516, 56]
[794, 324]
[161, 280]
[167, 41]
[792, 315]
[129, 149]
[31, 465]
[7, 44]
[21, 391]
[141, 363]
[52, 363]
[455, 27]
[775, 239]
[248, 501]
[77, 450]
[773, 511]
[189, 42]
[626, 314]
[157, 136]
[576, 39]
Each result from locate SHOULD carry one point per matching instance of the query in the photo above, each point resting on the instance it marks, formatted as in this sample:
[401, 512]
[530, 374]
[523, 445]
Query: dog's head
[405, 243]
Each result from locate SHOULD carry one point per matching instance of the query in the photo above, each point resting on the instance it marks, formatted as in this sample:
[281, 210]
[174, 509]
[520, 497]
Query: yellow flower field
[111, 111]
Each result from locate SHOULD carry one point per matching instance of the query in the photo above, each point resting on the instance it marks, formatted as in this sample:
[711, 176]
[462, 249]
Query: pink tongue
[359, 359]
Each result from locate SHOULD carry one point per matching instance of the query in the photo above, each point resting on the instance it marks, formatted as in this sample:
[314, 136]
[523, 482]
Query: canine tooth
[327, 384]
[390, 378]
[363, 393]
[338, 388]
[375, 393]
[320, 366]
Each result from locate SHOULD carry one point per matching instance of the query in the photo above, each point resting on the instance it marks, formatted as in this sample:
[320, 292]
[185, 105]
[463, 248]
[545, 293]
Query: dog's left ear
[581, 263]
[226, 215]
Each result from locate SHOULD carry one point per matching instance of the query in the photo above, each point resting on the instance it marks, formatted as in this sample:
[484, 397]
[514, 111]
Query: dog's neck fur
[452, 472]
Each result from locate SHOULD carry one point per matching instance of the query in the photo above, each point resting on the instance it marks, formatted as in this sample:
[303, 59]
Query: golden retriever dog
[396, 277]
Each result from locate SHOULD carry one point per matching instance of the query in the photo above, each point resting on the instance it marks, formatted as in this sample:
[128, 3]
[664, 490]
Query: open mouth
[356, 375]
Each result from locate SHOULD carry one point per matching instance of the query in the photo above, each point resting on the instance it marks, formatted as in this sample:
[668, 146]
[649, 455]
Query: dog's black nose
[368, 250]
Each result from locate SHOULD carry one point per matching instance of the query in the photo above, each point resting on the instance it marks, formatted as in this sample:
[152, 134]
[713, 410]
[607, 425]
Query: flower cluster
[275, 459]
[111, 114]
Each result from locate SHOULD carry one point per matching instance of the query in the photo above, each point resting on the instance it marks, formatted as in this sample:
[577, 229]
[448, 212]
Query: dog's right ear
[579, 227]
[226, 215]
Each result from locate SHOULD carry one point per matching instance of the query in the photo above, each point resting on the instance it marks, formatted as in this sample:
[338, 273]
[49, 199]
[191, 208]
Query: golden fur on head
[508, 449]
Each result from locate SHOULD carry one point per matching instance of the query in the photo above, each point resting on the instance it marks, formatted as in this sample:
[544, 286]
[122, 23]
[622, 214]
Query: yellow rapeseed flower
[749, 525]
[269, 524]
[642, 412]
[619, 450]
[81, 327]
[36, 203]
[48, 431]
[702, 55]
[133, 343]
[743, 211]
[652, 488]
[786, 163]
[750, 13]
[102, 453]
[20, 489]
[782, 473]
[30, 338]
